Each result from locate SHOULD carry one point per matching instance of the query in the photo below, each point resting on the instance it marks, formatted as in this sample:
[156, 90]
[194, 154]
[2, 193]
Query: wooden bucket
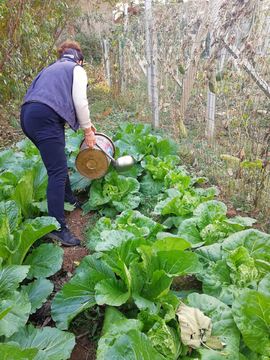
[93, 164]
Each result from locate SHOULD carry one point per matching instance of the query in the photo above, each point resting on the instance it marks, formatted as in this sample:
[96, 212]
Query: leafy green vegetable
[165, 339]
[248, 354]
[210, 225]
[6, 157]
[113, 191]
[12, 351]
[180, 203]
[240, 263]
[79, 293]
[54, 343]
[129, 128]
[45, 261]
[10, 277]
[73, 140]
[25, 236]
[243, 269]
[252, 308]
[115, 322]
[112, 292]
[138, 142]
[8, 182]
[28, 148]
[133, 345]
[142, 268]
[159, 167]
[130, 220]
[38, 291]
[16, 315]
[179, 179]
[116, 325]
[30, 189]
[151, 187]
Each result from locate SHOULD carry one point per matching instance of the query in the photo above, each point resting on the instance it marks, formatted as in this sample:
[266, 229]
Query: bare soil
[85, 348]
[8, 134]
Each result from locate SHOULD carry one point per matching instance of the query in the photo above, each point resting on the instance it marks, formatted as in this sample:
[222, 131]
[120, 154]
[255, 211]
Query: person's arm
[81, 105]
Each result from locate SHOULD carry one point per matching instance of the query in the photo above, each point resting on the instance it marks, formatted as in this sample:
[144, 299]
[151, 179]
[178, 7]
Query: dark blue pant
[45, 128]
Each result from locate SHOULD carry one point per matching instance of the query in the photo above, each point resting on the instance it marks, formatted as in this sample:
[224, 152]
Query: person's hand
[90, 139]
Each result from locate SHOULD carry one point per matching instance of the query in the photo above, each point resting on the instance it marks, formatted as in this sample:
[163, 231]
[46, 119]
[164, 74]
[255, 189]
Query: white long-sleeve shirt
[80, 98]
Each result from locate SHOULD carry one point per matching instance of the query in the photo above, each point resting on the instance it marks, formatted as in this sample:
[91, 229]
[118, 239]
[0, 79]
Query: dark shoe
[64, 236]
[78, 204]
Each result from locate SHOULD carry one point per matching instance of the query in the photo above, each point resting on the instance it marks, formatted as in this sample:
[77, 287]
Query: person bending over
[58, 95]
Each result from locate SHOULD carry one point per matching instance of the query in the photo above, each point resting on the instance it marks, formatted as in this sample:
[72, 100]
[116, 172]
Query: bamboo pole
[148, 48]
[211, 96]
[154, 80]
[107, 64]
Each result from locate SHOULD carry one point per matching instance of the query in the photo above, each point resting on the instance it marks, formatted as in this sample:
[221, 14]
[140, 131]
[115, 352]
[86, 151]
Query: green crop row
[135, 260]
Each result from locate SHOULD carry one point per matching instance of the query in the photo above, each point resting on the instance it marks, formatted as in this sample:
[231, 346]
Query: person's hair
[70, 48]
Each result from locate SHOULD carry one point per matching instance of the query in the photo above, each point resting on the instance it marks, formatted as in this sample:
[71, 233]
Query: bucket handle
[105, 152]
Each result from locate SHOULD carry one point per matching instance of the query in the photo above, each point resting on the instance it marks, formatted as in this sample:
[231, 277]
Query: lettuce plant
[145, 336]
[137, 141]
[158, 167]
[251, 308]
[27, 187]
[127, 269]
[156, 179]
[209, 224]
[17, 302]
[16, 237]
[182, 203]
[239, 263]
[128, 128]
[113, 194]
[32, 344]
[130, 220]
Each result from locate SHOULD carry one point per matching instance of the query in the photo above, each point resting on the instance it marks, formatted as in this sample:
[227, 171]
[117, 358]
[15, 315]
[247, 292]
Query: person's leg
[52, 151]
[46, 129]
[69, 195]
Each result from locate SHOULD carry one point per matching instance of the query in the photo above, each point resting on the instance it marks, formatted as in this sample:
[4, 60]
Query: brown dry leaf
[238, 174]
[107, 112]
[241, 154]
[195, 327]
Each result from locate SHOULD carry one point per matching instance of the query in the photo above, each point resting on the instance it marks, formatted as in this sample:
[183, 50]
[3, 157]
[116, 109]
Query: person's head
[71, 49]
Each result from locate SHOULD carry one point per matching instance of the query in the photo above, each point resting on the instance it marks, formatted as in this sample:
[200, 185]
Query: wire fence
[206, 76]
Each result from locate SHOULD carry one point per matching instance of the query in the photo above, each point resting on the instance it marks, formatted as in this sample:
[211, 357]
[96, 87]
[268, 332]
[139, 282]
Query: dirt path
[85, 349]
[76, 223]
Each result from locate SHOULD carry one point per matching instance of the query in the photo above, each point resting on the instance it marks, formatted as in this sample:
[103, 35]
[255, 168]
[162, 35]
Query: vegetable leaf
[252, 307]
[55, 343]
[45, 261]
[38, 292]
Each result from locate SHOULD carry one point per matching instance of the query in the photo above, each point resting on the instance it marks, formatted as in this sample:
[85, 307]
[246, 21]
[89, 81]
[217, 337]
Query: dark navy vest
[53, 87]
